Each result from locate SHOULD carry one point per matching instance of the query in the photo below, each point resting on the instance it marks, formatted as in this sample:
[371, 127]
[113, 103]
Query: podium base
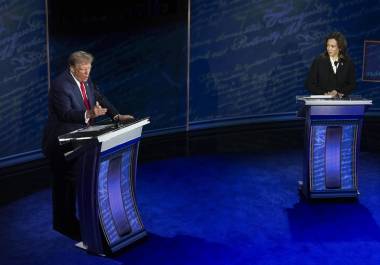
[83, 247]
[326, 194]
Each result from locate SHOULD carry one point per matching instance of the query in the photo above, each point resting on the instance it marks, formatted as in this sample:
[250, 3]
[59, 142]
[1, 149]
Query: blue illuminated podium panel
[332, 144]
[108, 212]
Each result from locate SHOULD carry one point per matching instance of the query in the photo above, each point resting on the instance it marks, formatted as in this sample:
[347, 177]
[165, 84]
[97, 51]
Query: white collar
[335, 67]
[76, 80]
[332, 60]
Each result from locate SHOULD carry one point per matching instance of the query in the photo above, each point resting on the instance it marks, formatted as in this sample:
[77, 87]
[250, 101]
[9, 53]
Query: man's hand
[333, 93]
[124, 118]
[96, 111]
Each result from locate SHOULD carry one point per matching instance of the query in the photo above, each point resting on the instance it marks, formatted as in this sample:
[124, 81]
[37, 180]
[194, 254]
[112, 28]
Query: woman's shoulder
[321, 57]
[347, 59]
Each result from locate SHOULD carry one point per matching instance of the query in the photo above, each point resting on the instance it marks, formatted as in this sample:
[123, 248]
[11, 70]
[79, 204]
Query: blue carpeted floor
[217, 209]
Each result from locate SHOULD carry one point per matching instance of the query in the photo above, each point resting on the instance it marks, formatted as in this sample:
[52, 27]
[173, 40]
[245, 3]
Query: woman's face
[332, 48]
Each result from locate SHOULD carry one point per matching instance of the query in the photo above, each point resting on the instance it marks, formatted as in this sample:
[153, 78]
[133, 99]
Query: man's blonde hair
[80, 57]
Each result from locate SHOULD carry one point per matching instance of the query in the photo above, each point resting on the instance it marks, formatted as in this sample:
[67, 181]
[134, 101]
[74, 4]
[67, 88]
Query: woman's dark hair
[340, 40]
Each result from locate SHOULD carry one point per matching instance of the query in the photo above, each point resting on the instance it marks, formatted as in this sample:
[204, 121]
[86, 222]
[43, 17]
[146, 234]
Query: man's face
[81, 71]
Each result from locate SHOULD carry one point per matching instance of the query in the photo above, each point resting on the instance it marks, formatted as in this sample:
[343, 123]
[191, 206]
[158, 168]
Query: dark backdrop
[248, 59]
[24, 76]
[140, 53]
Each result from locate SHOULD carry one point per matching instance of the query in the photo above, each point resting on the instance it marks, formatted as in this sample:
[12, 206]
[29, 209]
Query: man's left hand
[124, 118]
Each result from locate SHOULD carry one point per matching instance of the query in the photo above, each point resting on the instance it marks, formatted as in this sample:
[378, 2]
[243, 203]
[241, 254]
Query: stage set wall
[23, 79]
[186, 65]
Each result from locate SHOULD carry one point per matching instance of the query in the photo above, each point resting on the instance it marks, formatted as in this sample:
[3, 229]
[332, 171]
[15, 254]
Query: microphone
[111, 110]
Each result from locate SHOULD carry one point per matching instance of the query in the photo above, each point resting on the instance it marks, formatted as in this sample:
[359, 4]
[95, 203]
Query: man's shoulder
[63, 79]
[63, 76]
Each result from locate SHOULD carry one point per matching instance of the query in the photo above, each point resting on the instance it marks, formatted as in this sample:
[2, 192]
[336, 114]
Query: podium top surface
[102, 132]
[325, 100]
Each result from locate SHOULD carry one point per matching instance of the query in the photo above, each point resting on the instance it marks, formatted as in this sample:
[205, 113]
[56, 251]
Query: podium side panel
[87, 201]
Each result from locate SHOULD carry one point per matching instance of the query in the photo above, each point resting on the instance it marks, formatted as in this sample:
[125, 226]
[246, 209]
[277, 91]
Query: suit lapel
[77, 94]
[341, 66]
[328, 62]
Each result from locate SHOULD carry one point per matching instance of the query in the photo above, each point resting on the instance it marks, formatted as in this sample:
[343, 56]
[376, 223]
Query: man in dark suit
[332, 73]
[73, 103]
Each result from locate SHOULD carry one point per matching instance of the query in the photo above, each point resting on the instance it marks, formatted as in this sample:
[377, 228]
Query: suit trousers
[64, 193]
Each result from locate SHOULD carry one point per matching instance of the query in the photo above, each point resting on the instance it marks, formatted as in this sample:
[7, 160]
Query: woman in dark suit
[332, 73]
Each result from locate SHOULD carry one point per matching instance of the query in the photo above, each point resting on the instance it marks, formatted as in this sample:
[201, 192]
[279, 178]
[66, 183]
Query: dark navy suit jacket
[322, 79]
[67, 110]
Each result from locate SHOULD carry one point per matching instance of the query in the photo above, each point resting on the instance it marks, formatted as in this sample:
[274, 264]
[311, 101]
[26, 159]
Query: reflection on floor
[230, 208]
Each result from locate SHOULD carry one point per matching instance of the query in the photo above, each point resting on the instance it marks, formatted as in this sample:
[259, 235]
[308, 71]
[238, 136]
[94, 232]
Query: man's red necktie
[85, 99]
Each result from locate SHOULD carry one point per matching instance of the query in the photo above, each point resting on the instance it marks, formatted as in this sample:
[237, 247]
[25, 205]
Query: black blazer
[322, 78]
[67, 110]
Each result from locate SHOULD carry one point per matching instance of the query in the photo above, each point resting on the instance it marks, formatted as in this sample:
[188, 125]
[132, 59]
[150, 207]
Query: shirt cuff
[86, 120]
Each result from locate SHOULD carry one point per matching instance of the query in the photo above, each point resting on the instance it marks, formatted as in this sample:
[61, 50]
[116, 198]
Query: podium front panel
[332, 160]
[332, 143]
[118, 213]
